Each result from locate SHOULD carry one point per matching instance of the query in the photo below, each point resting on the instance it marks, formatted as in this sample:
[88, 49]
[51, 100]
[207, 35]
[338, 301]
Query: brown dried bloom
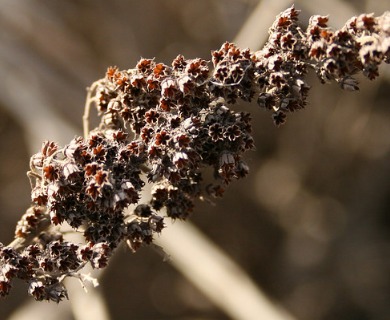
[163, 125]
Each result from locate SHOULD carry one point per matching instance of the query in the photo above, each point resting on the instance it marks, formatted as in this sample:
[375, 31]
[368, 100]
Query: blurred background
[310, 225]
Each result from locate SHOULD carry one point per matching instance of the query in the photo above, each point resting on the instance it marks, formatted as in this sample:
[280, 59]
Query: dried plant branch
[161, 126]
[89, 102]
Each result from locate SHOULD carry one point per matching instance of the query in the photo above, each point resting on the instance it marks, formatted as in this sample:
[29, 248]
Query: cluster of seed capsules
[163, 126]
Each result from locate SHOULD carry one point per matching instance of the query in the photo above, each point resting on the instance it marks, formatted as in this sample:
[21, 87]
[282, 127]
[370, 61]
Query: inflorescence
[163, 125]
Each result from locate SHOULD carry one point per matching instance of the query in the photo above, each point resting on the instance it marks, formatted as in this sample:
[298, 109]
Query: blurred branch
[253, 34]
[216, 275]
[339, 11]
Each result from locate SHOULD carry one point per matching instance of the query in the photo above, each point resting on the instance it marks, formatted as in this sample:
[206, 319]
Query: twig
[87, 109]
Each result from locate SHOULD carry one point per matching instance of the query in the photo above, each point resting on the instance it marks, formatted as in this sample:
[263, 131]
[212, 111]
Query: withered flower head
[164, 125]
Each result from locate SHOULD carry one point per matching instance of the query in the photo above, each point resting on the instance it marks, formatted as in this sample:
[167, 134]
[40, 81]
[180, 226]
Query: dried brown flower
[163, 125]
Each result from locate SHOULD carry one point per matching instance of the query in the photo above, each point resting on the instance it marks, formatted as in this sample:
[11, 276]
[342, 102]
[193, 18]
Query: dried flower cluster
[163, 125]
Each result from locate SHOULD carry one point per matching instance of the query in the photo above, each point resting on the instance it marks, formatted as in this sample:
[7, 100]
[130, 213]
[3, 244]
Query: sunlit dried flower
[163, 125]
